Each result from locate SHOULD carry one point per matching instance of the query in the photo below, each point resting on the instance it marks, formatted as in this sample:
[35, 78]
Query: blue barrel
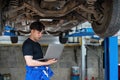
[75, 77]
[75, 74]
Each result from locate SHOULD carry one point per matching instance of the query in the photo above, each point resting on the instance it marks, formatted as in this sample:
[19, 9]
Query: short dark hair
[37, 26]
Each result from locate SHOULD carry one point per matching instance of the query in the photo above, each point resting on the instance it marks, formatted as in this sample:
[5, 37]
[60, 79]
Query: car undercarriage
[59, 16]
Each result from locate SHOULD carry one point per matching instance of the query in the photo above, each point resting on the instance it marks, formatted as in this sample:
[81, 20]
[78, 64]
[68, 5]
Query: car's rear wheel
[110, 23]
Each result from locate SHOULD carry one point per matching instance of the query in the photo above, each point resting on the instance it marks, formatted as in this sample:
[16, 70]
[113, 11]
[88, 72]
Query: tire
[62, 39]
[14, 39]
[110, 24]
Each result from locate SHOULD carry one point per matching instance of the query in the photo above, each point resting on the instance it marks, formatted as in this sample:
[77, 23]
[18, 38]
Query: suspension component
[13, 4]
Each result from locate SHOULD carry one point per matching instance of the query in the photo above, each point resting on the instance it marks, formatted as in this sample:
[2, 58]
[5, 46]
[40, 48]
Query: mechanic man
[36, 70]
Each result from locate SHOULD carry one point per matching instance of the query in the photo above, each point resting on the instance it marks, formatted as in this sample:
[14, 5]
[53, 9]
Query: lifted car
[59, 16]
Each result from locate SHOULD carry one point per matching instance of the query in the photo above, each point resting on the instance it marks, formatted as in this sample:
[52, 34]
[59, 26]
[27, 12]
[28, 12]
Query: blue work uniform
[39, 72]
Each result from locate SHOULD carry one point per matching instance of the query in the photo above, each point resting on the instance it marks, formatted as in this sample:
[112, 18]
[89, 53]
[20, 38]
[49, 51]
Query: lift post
[111, 58]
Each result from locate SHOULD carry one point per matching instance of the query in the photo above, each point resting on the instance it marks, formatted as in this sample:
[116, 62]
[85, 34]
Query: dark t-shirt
[32, 48]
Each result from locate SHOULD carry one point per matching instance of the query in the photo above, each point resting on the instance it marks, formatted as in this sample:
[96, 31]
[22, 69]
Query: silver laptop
[53, 51]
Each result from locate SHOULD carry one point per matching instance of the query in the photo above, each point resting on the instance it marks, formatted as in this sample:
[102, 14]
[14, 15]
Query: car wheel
[110, 23]
[62, 37]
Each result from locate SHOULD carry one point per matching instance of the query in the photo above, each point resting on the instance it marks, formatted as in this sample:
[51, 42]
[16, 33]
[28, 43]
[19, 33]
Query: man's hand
[51, 61]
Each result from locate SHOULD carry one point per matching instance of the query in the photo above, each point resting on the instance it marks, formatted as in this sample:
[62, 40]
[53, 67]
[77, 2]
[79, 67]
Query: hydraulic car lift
[110, 54]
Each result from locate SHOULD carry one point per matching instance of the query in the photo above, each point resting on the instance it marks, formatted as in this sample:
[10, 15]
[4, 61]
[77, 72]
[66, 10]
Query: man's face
[36, 34]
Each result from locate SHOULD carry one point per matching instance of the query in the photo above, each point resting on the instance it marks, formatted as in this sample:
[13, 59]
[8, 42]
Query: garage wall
[12, 61]
[95, 62]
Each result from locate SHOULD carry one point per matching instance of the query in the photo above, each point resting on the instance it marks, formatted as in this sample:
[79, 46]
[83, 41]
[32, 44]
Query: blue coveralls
[38, 73]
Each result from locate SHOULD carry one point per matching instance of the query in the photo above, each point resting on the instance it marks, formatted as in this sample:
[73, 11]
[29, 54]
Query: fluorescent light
[46, 20]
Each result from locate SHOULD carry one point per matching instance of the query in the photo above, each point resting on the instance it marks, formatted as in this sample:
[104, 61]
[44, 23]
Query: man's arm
[31, 62]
